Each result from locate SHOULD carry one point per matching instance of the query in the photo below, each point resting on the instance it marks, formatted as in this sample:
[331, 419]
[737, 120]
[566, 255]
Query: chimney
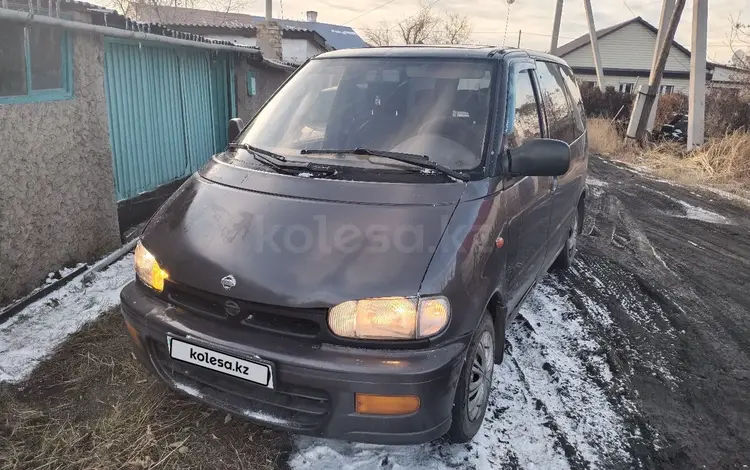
[269, 39]
[312, 16]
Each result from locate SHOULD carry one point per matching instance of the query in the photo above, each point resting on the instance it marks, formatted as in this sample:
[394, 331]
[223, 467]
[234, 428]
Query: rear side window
[575, 96]
[557, 106]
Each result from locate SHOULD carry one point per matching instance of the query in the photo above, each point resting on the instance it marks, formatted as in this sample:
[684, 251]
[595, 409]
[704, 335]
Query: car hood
[299, 242]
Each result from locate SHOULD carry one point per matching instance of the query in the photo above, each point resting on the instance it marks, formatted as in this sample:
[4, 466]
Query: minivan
[347, 267]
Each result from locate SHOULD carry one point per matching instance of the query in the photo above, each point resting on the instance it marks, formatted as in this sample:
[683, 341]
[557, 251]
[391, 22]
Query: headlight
[148, 270]
[390, 318]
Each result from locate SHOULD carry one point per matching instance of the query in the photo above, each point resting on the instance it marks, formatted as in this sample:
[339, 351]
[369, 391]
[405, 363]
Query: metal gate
[168, 108]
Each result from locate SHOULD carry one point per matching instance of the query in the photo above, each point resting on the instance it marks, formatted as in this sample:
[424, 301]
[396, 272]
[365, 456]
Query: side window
[560, 115]
[522, 121]
[35, 63]
[575, 96]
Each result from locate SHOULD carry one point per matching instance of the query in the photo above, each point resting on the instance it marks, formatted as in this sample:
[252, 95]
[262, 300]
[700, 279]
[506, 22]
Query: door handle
[554, 184]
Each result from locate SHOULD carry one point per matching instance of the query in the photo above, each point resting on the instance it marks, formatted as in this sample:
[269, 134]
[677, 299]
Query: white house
[627, 50]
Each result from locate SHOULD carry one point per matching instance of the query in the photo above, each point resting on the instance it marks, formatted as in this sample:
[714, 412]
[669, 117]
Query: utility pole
[269, 7]
[594, 44]
[666, 13]
[519, 38]
[697, 103]
[556, 27]
[641, 114]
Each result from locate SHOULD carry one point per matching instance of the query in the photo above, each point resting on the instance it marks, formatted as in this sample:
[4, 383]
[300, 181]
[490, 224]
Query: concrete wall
[57, 203]
[267, 80]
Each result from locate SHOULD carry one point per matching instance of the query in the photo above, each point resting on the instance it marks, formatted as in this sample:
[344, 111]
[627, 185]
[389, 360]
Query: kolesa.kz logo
[218, 362]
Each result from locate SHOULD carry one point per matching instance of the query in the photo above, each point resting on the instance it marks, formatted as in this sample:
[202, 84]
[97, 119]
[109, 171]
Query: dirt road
[672, 267]
[636, 358]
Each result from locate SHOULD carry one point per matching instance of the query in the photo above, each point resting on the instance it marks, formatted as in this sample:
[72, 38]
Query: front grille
[294, 407]
[297, 322]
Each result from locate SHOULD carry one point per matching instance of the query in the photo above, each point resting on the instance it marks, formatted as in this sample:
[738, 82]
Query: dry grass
[93, 406]
[603, 137]
[723, 163]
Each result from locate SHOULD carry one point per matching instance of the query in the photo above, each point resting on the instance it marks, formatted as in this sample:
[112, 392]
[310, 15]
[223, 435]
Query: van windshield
[425, 107]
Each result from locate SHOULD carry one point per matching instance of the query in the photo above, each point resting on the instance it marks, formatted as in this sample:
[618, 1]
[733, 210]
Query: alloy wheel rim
[480, 378]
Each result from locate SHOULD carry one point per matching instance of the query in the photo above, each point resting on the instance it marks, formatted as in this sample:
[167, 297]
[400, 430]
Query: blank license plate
[208, 359]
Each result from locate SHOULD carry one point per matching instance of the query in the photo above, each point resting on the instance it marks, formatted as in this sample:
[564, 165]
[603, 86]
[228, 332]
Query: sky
[533, 17]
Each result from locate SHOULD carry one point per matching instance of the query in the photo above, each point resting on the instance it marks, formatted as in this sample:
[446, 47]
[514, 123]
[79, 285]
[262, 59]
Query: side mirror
[235, 127]
[540, 157]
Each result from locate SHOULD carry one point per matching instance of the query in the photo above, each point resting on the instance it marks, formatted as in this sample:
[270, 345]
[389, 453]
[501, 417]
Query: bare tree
[739, 40]
[161, 11]
[455, 28]
[379, 36]
[425, 27]
[419, 28]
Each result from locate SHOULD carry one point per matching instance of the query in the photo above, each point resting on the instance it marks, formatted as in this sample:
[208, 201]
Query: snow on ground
[546, 409]
[591, 181]
[698, 213]
[33, 333]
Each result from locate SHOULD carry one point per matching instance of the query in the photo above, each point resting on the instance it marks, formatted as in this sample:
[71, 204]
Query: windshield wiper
[280, 162]
[250, 148]
[285, 166]
[410, 158]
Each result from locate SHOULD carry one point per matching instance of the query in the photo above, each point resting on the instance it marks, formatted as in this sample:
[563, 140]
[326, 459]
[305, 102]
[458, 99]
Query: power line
[629, 9]
[369, 11]
[524, 32]
[429, 5]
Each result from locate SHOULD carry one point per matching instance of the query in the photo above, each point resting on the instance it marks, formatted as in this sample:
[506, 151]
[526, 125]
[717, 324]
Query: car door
[527, 198]
[565, 123]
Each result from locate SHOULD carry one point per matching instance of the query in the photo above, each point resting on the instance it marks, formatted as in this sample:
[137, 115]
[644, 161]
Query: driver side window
[523, 122]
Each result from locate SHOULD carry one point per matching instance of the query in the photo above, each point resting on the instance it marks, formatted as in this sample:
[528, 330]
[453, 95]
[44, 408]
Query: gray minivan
[348, 266]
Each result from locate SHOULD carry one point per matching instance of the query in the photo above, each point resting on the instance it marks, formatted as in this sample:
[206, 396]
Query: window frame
[54, 94]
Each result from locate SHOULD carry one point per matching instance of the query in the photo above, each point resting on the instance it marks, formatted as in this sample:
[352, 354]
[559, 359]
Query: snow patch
[305, 175]
[265, 417]
[543, 399]
[188, 389]
[37, 330]
[698, 213]
[591, 181]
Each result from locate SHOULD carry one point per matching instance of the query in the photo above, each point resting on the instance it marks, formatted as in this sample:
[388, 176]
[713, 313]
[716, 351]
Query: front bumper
[314, 383]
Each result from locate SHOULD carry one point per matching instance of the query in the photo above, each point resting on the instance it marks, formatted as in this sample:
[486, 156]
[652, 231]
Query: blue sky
[534, 17]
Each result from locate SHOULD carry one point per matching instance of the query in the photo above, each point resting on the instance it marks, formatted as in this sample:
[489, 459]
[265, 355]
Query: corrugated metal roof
[337, 36]
[108, 17]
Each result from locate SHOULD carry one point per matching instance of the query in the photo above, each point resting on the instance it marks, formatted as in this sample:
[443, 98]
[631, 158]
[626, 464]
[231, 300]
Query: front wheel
[569, 251]
[474, 384]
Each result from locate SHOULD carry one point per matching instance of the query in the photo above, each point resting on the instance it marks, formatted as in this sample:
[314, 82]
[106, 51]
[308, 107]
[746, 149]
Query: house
[727, 76]
[100, 118]
[627, 50]
[300, 39]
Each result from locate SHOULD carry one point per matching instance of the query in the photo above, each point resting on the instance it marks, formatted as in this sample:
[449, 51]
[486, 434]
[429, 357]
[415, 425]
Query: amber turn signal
[386, 404]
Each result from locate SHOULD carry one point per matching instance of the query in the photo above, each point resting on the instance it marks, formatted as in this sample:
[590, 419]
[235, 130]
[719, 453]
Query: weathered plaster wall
[57, 203]
[267, 80]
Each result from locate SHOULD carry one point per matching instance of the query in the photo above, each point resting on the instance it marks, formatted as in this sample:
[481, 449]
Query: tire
[474, 384]
[568, 254]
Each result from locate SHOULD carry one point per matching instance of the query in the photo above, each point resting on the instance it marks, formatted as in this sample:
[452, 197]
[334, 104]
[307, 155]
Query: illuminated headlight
[390, 318]
[148, 270]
